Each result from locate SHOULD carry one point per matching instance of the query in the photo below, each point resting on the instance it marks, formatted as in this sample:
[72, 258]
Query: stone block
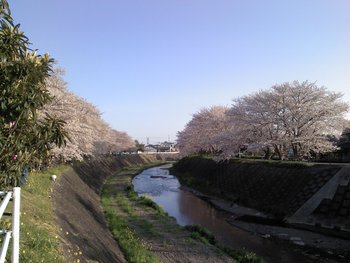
[326, 202]
[338, 198]
[341, 190]
[346, 203]
[343, 212]
[347, 195]
[323, 210]
[335, 206]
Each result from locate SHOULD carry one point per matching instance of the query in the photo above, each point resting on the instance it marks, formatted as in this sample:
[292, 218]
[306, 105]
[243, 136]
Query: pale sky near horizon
[149, 65]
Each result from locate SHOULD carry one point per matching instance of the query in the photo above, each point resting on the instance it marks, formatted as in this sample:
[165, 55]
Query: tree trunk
[268, 153]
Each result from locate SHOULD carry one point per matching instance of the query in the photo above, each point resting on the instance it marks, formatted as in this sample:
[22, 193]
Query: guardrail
[13, 233]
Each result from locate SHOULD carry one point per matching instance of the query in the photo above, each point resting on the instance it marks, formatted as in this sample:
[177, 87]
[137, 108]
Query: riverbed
[187, 208]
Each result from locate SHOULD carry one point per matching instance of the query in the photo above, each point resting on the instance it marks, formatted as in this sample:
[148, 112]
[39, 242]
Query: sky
[149, 65]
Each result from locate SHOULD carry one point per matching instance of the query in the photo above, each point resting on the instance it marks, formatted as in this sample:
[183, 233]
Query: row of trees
[39, 118]
[291, 119]
[88, 133]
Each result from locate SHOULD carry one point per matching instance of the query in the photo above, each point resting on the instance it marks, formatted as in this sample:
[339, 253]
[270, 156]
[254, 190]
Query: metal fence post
[5, 246]
[16, 224]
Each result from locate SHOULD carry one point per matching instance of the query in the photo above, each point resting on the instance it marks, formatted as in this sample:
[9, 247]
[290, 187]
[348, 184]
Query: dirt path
[166, 239]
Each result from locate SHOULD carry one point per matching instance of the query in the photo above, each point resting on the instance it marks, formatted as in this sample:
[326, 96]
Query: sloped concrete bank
[76, 198]
[316, 197]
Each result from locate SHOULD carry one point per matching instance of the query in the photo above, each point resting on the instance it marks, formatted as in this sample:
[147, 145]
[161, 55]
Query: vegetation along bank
[69, 225]
[62, 220]
[146, 233]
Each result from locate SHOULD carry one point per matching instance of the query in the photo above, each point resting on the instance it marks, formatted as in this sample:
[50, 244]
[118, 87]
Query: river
[188, 209]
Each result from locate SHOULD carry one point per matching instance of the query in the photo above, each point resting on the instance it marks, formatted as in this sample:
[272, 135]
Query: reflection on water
[189, 209]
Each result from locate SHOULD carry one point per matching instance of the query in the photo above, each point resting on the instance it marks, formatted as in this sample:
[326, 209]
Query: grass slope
[39, 240]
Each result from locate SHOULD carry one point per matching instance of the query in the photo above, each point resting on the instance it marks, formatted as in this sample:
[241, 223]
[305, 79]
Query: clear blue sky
[150, 64]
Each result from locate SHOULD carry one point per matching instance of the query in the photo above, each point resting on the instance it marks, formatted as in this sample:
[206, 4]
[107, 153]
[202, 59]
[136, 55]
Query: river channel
[188, 209]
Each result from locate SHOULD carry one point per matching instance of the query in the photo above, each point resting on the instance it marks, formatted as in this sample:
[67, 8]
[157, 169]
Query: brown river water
[188, 209]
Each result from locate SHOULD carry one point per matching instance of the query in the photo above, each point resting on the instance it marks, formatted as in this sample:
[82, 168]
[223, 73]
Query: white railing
[15, 195]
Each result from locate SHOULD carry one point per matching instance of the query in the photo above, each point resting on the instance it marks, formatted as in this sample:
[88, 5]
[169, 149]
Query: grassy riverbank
[119, 211]
[39, 240]
[147, 234]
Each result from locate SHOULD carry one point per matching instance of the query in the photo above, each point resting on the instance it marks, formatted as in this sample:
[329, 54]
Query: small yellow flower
[67, 233]
[23, 251]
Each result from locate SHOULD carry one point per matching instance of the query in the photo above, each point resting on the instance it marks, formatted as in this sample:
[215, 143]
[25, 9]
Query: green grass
[146, 228]
[39, 234]
[124, 204]
[242, 256]
[120, 220]
[134, 249]
[202, 234]
[144, 200]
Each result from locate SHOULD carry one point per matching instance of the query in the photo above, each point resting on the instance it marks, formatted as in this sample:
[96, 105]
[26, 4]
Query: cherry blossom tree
[202, 132]
[88, 133]
[292, 118]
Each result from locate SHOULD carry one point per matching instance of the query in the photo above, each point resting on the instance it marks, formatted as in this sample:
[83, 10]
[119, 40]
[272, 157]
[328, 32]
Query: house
[150, 148]
[168, 147]
[161, 147]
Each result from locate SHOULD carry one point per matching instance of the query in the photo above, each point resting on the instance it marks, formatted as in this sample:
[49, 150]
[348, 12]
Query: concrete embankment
[313, 196]
[76, 198]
